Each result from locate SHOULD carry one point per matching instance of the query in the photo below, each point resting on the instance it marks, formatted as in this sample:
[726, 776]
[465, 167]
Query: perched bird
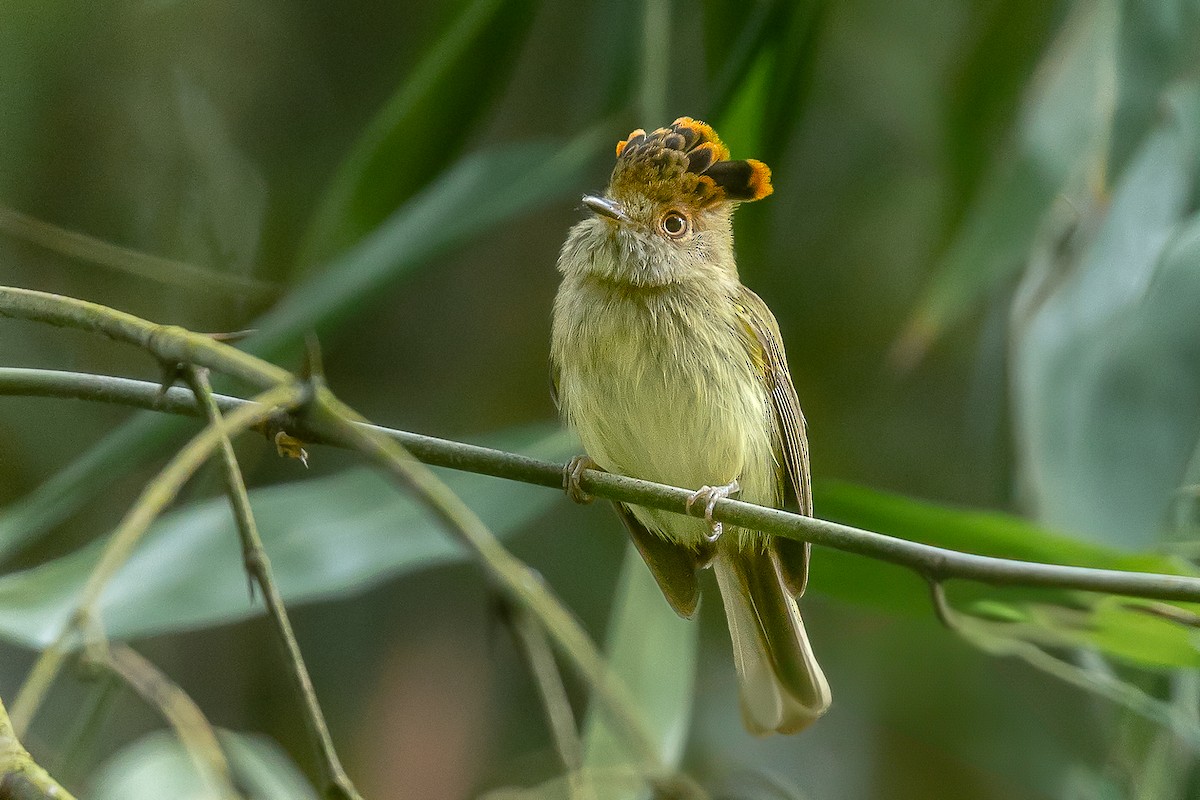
[671, 370]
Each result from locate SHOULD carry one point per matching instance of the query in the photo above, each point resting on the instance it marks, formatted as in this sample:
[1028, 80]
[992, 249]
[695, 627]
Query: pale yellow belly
[689, 415]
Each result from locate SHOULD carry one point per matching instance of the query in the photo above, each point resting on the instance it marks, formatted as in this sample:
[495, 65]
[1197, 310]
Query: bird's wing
[673, 566]
[766, 352]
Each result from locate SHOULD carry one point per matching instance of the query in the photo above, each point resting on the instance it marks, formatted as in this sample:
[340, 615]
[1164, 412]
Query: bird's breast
[660, 386]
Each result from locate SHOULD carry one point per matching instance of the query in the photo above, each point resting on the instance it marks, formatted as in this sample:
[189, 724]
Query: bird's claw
[710, 495]
[573, 473]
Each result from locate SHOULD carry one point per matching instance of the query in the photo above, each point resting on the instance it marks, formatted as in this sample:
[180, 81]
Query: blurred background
[982, 251]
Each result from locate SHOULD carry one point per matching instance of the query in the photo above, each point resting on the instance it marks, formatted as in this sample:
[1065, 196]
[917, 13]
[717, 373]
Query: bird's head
[665, 217]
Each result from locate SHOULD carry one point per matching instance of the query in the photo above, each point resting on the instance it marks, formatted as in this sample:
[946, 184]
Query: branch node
[170, 343]
[941, 606]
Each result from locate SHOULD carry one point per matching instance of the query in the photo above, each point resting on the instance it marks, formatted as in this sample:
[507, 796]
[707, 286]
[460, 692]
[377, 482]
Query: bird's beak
[604, 207]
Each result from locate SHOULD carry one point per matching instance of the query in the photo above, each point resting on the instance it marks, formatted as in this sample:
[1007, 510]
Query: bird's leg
[573, 473]
[710, 495]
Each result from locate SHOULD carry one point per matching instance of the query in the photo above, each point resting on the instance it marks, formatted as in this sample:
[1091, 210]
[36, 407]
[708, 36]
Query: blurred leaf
[653, 651]
[740, 122]
[91, 473]
[227, 201]
[156, 766]
[608, 784]
[1061, 134]
[1106, 374]
[1157, 46]
[480, 191]
[987, 86]
[79, 246]
[1084, 784]
[326, 538]
[613, 56]
[199, 196]
[768, 76]
[423, 126]
[735, 32]
[792, 74]
[1049, 617]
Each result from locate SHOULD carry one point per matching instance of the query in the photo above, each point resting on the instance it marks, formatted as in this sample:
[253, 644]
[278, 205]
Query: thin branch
[927, 560]
[133, 262]
[169, 344]
[86, 738]
[335, 782]
[195, 733]
[531, 639]
[1102, 683]
[157, 495]
[172, 345]
[20, 776]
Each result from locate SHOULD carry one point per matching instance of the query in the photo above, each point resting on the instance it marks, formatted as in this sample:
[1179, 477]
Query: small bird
[670, 370]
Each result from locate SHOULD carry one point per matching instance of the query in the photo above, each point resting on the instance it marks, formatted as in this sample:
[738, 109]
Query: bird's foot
[573, 473]
[709, 495]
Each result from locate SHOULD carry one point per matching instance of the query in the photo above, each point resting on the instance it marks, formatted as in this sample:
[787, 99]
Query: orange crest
[686, 161]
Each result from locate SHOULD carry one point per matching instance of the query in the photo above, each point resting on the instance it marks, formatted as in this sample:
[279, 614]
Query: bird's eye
[674, 224]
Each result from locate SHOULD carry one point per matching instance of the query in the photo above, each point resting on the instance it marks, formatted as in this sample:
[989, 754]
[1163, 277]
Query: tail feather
[783, 689]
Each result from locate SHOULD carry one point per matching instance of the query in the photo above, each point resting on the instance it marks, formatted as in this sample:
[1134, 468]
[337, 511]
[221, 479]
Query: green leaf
[209, 201]
[613, 57]
[475, 194]
[761, 90]
[987, 84]
[90, 474]
[1051, 617]
[1156, 48]
[1060, 135]
[423, 126]
[156, 766]
[734, 33]
[1105, 372]
[653, 651]
[326, 538]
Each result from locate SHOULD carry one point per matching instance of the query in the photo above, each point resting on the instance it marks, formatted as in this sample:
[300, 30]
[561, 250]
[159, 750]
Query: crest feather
[637, 137]
[686, 161]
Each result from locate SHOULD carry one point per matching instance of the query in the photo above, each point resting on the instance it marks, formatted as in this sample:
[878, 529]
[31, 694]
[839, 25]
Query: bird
[669, 369]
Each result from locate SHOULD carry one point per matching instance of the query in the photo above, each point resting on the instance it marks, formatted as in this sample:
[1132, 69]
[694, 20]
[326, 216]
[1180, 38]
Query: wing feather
[673, 566]
[766, 350]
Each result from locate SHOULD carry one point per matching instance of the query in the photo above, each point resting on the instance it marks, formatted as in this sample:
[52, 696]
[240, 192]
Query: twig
[1180, 616]
[169, 344]
[924, 559]
[1104, 684]
[185, 717]
[157, 495]
[20, 776]
[81, 744]
[531, 639]
[335, 782]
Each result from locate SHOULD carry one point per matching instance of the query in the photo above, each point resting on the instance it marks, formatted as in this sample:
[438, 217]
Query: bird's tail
[782, 687]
